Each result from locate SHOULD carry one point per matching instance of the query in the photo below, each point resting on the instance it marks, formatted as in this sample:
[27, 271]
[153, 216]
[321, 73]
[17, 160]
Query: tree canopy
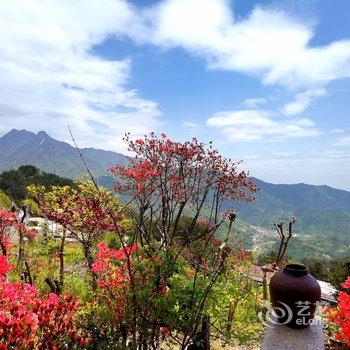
[14, 182]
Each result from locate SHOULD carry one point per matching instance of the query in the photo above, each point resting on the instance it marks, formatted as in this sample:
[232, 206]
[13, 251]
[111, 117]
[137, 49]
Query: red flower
[31, 234]
[164, 164]
[29, 319]
[5, 267]
[346, 284]
[341, 315]
[165, 331]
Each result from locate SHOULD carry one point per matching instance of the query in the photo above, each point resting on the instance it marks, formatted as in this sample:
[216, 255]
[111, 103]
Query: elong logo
[271, 316]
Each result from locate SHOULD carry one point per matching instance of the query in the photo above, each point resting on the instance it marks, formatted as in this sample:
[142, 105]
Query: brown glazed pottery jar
[294, 295]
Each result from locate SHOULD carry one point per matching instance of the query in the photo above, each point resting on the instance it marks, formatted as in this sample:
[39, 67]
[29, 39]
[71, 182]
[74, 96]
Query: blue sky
[267, 81]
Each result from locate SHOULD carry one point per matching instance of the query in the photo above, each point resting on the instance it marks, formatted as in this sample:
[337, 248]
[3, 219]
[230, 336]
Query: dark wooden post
[206, 332]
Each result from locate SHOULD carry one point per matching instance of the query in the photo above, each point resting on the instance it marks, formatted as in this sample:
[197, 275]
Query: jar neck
[296, 269]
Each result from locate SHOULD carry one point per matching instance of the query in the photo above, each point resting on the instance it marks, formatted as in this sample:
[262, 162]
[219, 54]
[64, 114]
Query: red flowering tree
[168, 179]
[165, 181]
[341, 315]
[86, 212]
[114, 286]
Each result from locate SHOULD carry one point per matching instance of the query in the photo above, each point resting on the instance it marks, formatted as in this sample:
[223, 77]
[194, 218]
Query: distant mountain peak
[42, 134]
[42, 137]
[21, 147]
[25, 133]
[16, 132]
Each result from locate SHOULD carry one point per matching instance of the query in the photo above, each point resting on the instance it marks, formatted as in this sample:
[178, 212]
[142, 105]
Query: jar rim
[296, 269]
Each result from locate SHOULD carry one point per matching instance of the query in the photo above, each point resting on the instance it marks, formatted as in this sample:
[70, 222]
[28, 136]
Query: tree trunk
[61, 256]
[206, 332]
[21, 239]
[89, 259]
[231, 314]
[3, 248]
[20, 250]
[202, 339]
[265, 294]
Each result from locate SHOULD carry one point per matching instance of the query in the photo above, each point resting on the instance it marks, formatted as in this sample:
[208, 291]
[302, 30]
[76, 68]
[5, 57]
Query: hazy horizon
[260, 178]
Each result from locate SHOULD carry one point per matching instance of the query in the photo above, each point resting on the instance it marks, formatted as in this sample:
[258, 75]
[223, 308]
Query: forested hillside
[13, 183]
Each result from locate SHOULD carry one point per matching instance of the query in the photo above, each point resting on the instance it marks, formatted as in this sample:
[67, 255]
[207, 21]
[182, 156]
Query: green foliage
[319, 269]
[339, 271]
[42, 255]
[5, 201]
[32, 205]
[111, 239]
[235, 303]
[15, 182]
[95, 318]
[335, 271]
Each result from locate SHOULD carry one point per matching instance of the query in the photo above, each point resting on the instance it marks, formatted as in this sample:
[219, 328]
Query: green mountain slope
[318, 208]
[323, 219]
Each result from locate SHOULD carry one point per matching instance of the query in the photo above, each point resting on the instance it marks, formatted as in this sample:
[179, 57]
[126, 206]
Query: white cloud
[192, 24]
[269, 43]
[49, 78]
[302, 101]
[337, 131]
[342, 142]
[254, 102]
[256, 125]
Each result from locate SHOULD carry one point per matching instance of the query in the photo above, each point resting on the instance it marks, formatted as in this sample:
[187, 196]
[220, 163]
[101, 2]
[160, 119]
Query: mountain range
[21, 147]
[323, 212]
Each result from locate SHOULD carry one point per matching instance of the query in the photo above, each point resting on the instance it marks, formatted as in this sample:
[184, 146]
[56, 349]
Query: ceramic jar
[294, 295]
